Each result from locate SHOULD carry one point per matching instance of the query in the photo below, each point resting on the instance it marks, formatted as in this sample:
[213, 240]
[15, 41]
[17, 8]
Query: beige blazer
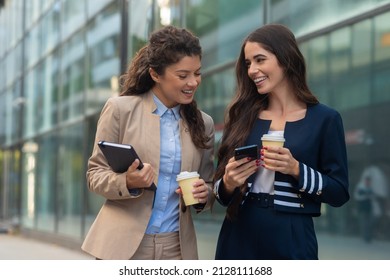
[121, 222]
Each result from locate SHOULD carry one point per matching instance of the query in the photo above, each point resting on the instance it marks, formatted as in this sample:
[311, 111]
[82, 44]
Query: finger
[274, 156]
[199, 190]
[202, 195]
[244, 161]
[150, 181]
[134, 165]
[273, 151]
[198, 183]
[247, 168]
[239, 175]
[232, 159]
[179, 191]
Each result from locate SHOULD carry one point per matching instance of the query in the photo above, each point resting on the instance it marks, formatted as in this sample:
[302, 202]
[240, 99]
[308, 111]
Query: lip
[259, 80]
[188, 91]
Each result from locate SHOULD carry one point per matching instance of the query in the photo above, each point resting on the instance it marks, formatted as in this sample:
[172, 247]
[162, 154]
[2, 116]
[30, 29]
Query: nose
[253, 69]
[193, 81]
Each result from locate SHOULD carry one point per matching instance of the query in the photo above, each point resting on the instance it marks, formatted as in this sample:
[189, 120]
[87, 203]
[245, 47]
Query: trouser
[162, 246]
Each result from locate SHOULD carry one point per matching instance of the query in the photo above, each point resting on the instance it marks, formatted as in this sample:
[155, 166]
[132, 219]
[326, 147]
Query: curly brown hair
[166, 46]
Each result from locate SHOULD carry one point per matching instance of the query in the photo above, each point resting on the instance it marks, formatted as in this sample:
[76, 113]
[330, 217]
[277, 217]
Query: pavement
[14, 246]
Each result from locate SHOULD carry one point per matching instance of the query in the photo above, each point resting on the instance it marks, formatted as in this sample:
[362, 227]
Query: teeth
[258, 80]
[187, 91]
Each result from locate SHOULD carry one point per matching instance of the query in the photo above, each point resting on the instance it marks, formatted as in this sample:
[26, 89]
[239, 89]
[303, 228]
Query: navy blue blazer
[317, 141]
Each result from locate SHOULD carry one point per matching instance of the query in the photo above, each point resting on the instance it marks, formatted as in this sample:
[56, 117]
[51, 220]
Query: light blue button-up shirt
[165, 213]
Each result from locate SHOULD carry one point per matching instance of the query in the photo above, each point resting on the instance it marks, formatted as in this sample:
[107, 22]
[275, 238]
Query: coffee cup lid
[186, 175]
[272, 137]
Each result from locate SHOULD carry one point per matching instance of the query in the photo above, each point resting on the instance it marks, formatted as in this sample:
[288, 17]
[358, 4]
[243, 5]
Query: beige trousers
[162, 246]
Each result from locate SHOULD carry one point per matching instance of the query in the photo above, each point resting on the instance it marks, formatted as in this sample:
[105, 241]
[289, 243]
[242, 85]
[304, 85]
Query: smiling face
[263, 68]
[179, 82]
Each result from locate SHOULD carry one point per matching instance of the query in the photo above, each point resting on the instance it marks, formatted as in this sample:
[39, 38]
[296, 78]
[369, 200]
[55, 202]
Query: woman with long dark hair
[271, 200]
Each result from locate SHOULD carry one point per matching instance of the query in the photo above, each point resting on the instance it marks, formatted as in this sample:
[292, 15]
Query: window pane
[340, 48]
[304, 16]
[382, 37]
[222, 27]
[361, 45]
[140, 17]
[74, 16]
[71, 184]
[46, 183]
[215, 93]
[318, 58]
[103, 57]
[73, 77]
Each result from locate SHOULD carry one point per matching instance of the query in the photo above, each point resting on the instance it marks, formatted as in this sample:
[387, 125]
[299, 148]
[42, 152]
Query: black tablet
[120, 157]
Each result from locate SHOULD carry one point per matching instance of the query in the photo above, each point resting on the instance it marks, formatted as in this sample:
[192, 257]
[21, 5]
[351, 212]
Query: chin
[187, 100]
[262, 92]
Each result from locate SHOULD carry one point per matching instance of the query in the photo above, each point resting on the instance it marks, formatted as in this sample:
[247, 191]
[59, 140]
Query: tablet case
[120, 157]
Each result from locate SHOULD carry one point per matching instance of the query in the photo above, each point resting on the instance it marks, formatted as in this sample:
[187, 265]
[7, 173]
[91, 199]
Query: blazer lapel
[151, 137]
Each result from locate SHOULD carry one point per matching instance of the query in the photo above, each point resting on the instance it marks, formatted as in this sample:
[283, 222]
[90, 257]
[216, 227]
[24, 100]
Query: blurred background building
[60, 60]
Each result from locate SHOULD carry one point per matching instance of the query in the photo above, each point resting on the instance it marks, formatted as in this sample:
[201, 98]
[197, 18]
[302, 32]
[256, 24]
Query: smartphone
[251, 151]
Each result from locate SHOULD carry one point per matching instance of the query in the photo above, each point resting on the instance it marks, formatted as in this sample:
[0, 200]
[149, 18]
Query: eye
[182, 77]
[259, 59]
[197, 74]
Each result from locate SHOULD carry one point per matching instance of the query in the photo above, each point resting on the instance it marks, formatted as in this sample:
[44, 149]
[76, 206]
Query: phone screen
[251, 151]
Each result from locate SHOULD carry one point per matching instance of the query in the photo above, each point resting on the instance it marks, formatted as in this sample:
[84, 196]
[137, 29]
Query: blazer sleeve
[100, 177]
[329, 183]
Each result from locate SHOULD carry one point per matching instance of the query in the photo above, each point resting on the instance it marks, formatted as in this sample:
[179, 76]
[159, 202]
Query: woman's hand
[200, 191]
[237, 171]
[280, 159]
[136, 178]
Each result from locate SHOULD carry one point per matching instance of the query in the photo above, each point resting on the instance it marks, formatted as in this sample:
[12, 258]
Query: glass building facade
[60, 61]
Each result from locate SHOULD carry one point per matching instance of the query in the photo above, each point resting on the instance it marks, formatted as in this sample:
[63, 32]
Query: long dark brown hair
[247, 102]
[166, 46]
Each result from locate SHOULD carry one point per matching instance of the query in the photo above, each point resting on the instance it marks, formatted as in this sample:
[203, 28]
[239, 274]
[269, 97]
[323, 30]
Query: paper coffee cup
[185, 180]
[272, 140]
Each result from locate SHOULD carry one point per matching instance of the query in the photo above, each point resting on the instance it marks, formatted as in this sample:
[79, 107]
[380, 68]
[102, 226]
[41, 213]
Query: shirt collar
[161, 108]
